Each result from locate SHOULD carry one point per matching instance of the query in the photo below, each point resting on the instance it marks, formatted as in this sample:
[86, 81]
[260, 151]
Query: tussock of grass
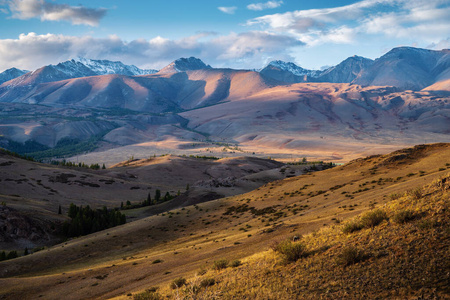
[350, 255]
[235, 263]
[403, 216]
[147, 295]
[291, 251]
[373, 218]
[207, 282]
[178, 282]
[220, 264]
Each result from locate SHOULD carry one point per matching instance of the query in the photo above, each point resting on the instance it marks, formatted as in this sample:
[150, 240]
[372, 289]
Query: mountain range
[399, 99]
[402, 67]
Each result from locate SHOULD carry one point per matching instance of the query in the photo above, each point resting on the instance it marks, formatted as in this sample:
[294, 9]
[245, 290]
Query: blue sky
[223, 33]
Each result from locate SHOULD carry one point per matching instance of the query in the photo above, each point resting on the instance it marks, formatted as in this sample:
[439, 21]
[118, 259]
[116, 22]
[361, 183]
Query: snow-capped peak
[103, 67]
[293, 68]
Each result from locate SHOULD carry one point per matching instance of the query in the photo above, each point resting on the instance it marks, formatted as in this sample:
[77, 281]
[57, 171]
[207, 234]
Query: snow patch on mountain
[104, 67]
[11, 74]
[185, 64]
[293, 68]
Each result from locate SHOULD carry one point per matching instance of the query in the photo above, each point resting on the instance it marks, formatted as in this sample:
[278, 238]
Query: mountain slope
[346, 71]
[406, 68]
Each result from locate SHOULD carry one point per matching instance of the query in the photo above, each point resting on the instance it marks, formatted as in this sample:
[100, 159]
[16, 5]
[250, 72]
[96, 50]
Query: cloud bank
[239, 50]
[47, 11]
[425, 20]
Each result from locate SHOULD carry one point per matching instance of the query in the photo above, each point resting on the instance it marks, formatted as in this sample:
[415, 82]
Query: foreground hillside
[154, 251]
[401, 252]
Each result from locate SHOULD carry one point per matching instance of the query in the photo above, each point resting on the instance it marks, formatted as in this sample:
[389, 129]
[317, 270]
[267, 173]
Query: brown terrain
[152, 251]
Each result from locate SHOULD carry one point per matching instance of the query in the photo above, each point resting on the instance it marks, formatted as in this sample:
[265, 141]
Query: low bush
[416, 194]
[352, 226]
[349, 256]
[373, 218]
[148, 295]
[403, 216]
[220, 264]
[235, 263]
[291, 251]
[207, 282]
[178, 282]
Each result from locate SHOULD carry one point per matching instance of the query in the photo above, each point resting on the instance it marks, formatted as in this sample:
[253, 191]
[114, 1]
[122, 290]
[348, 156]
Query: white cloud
[228, 10]
[46, 11]
[422, 20]
[266, 5]
[442, 44]
[239, 50]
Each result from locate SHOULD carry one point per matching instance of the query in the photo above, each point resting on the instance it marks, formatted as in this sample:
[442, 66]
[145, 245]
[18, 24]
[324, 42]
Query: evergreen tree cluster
[149, 201]
[65, 163]
[85, 220]
[10, 255]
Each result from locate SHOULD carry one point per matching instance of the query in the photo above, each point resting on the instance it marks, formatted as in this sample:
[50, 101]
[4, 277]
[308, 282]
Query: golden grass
[388, 260]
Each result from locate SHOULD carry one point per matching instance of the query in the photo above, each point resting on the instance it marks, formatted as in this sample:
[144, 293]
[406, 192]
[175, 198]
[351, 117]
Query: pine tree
[103, 167]
[26, 251]
[149, 199]
[157, 196]
[59, 210]
[167, 196]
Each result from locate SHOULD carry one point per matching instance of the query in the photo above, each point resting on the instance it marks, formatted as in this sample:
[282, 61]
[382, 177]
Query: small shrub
[351, 226]
[373, 218]
[428, 224]
[201, 272]
[394, 196]
[157, 261]
[291, 251]
[178, 282]
[403, 216]
[349, 256]
[207, 282]
[416, 194]
[148, 295]
[220, 264]
[235, 263]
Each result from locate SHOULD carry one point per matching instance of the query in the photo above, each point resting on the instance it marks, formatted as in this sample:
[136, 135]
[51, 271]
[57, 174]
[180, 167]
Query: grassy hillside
[401, 252]
[154, 251]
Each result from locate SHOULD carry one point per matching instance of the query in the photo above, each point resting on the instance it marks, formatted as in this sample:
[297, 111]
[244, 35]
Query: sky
[241, 34]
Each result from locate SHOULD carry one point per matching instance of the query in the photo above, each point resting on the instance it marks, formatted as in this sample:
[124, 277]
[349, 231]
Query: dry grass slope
[392, 259]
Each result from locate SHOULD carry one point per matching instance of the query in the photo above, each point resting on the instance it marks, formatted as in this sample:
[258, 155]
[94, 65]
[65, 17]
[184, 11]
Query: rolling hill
[153, 251]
